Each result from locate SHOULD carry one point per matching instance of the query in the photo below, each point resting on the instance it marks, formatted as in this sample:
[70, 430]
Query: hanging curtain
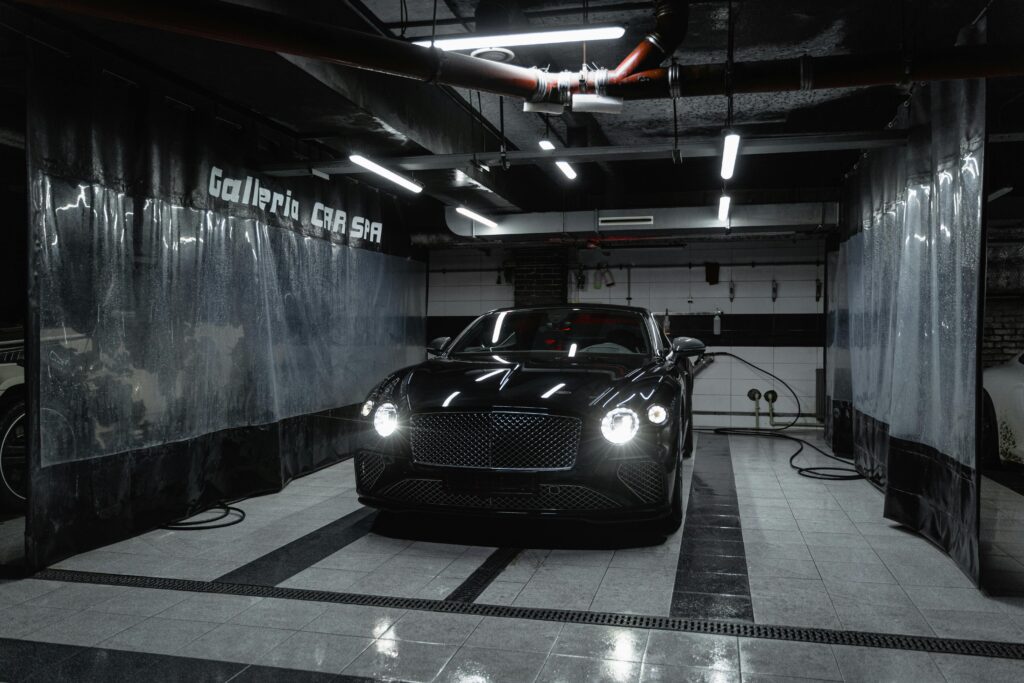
[903, 319]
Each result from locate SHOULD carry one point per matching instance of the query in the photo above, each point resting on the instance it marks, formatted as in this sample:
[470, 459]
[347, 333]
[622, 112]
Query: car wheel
[989, 436]
[13, 455]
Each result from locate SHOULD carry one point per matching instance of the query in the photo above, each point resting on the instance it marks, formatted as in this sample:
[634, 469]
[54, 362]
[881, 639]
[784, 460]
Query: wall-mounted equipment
[732, 290]
[775, 290]
[818, 289]
[716, 323]
[711, 270]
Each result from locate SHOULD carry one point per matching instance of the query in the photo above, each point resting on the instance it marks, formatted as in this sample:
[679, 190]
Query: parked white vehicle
[1004, 411]
[13, 426]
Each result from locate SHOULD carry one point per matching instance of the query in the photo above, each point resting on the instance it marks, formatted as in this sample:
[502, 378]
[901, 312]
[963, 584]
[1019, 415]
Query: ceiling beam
[691, 148]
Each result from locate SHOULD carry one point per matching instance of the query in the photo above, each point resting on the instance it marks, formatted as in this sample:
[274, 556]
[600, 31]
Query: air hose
[826, 473]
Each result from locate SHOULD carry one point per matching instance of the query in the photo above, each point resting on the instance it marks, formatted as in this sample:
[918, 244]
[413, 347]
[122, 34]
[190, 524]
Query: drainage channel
[891, 641]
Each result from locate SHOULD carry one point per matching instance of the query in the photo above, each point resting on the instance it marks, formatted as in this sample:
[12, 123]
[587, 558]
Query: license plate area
[493, 483]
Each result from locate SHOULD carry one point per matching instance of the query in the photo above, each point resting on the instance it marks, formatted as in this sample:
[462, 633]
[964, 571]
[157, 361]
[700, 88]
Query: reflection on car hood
[543, 380]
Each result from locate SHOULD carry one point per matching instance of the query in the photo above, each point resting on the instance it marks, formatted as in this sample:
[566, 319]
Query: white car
[12, 426]
[1004, 412]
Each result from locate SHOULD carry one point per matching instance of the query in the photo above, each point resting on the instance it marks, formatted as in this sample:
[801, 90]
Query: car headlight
[367, 407]
[657, 414]
[385, 420]
[620, 425]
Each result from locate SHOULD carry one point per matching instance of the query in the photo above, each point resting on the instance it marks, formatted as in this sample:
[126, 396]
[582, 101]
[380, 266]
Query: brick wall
[1004, 330]
[541, 276]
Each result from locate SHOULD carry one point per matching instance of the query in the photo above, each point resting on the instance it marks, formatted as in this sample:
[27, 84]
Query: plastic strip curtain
[159, 323]
[912, 273]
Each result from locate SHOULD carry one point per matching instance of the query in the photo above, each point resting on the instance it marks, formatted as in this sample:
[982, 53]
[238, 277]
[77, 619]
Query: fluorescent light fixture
[567, 169]
[573, 35]
[497, 327]
[490, 374]
[546, 145]
[450, 398]
[723, 208]
[730, 147]
[385, 173]
[474, 216]
[572, 350]
[552, 390]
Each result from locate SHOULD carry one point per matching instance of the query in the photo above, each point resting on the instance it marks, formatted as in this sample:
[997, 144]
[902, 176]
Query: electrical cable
[826, 473]
[226, 510]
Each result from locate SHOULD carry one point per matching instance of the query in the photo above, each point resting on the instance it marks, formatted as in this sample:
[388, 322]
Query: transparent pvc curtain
[838, 383]
[912, 288]
[159, 323]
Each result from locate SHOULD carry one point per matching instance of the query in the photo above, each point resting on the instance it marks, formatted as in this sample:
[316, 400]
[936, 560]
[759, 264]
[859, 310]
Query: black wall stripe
[978, 648]
[302, 553]
[477, 582]
[738, 329]
[711, 576]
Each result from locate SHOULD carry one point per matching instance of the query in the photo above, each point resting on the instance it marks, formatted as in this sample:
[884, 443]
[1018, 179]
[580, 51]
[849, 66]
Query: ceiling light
[575, 35]
[473, 215]
[385, 173]
[723, 208]
[565, 168]
[730, 147]
[546, 145]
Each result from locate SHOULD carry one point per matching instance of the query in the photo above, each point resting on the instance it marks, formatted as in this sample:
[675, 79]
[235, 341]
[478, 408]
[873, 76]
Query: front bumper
[604, 484]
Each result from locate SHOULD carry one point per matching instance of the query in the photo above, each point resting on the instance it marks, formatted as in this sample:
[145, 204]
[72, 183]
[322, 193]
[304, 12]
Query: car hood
[557, 383]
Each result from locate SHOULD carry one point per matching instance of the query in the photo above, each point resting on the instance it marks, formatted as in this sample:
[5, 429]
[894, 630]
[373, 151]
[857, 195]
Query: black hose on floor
[211, 523]
[825, 473]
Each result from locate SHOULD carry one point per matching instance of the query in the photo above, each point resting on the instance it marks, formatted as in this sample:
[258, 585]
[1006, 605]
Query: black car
[578, 411]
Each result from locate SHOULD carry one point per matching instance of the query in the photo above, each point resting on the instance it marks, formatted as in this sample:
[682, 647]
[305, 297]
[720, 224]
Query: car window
[557, 330]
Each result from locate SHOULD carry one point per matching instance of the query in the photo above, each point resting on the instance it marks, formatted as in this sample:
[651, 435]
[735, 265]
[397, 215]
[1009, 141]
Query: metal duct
[750, 217]
[633, 80]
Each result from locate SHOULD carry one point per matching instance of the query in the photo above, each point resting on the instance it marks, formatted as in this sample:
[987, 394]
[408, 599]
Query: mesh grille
[504, 440]
[645, 478]
[550, 497]
[369, 467]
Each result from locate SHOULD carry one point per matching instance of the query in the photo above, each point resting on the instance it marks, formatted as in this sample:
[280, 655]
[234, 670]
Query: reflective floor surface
[801, 552]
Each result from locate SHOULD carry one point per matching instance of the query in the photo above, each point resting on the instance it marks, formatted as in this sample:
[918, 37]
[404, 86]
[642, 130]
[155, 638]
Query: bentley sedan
[579, 411]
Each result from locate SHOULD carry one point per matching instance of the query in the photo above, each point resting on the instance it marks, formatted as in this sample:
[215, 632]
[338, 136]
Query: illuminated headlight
[657, 414]
[367, 407]
[385, 420]
[620, 425]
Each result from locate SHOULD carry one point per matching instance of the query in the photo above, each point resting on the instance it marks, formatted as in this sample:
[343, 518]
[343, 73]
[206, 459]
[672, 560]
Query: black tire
[989, 459]
[13, 452]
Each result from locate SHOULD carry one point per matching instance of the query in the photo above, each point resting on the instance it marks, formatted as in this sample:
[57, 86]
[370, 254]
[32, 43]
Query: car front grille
[548, 497]
[645, 478]
[499, 439]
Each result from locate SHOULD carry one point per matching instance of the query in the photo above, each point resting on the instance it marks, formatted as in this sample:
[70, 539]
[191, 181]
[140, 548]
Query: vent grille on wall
[616, 221]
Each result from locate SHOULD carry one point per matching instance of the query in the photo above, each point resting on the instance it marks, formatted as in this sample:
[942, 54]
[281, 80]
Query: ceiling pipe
[279, 33]
[671, 20]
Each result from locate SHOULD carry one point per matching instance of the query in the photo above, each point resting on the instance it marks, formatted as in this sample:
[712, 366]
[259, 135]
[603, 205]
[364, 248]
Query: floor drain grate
[977, 648]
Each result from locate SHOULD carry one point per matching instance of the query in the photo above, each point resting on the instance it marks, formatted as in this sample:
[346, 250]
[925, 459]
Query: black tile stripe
[742, 629]
[711, 576]
[477, 582]
[302, 553]
[24, 660]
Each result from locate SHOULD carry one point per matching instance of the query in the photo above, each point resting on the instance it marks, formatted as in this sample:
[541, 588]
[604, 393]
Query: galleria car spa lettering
[251, 192]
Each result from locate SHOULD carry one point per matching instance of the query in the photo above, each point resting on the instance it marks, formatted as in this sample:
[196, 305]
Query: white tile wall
[465, 294]
[723, 385]
[685, 290]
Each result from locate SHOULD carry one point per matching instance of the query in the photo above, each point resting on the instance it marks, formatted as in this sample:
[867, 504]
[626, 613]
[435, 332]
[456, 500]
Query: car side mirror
[688, 346]
[436, 346]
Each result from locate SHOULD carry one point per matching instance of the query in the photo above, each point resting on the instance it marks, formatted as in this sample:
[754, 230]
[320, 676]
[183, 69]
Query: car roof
[590, 307]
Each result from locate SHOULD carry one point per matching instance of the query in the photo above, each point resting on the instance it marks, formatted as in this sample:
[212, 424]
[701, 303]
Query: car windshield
[568, 331]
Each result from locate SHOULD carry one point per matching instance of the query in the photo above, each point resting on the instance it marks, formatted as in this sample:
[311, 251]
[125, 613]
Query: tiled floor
[817, 554]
